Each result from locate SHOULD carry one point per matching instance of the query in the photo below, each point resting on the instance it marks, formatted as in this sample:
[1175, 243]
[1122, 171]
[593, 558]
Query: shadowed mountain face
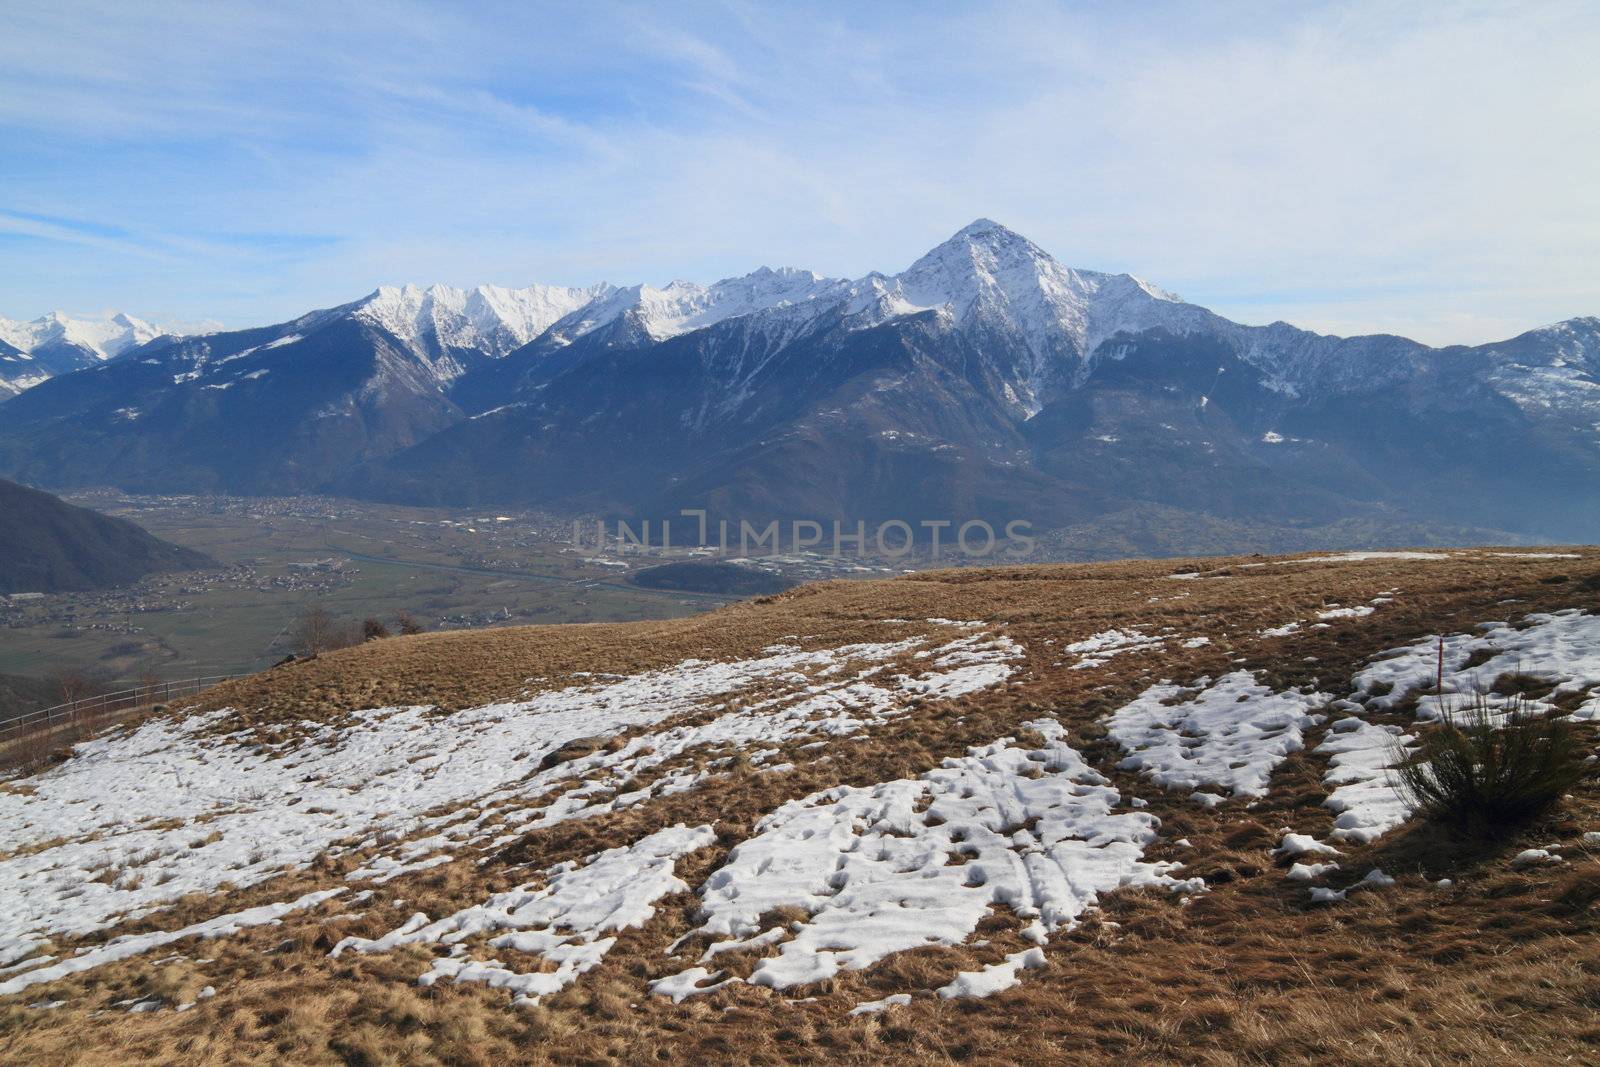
[986, 381]
[49, 546]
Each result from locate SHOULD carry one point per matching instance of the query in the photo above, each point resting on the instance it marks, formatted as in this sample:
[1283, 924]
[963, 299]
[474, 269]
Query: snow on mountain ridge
[104, 338]
[993, 274]
[1576, 340]
[989, 278]
[1040, 325]
[682, 306]
[986, 279]
[497, 320]
[490, 318]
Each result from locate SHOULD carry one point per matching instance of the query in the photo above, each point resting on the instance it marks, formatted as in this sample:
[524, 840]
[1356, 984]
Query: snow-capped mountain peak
[488, 318]
[987, 269]
[991, 279]
[101, 337]
[681, 306]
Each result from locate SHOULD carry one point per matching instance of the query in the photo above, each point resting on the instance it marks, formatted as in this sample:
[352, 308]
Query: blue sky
[1430, 170]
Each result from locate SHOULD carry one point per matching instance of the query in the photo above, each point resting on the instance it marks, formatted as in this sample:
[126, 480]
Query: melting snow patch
[384, 869]
[181, 811]
[1101, 647]
[686, 984]
[1347, 557]
[1309, 872]
[1366, 799]
[1294, 844]
[1031, 829]
[563, 920]
[1534, 857]
[1231, 733]
[205, 994]
[995, 977]
[136, 944]
[1561, 648]
[872, 1007]
[957, 682]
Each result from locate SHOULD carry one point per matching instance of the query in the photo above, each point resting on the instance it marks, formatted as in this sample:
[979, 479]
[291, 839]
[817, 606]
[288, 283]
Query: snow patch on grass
[1098, 649]
[1560, 648]
[995, 977]
[1230, 733]
[1346, 613]
[137, 820]
[1357, 557]
[872, 1007]
[136, 944]
[1293, 844]
[563, 918]
[1366, 797]
[918, 862]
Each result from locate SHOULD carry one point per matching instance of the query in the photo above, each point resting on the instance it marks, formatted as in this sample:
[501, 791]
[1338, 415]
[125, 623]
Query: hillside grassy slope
[687, 747]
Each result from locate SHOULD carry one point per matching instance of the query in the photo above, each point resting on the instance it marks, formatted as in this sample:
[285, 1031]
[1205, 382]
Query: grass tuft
[1491, 767]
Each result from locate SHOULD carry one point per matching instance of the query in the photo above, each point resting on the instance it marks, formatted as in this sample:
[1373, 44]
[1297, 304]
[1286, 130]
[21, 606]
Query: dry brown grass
[1501, 968]
[466, 668]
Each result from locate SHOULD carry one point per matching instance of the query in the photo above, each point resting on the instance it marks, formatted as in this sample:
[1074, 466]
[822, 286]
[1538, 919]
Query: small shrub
[73, 683]
[407, 623]
[1490, 767]
[35, 751]
[373, 629]
[319, 630]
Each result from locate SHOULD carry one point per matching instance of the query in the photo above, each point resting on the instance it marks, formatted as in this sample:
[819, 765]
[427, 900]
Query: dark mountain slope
[259, 411]
[49, 546]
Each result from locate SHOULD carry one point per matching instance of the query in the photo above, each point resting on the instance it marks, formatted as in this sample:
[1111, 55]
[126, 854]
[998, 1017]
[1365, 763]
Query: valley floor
[1057, 813]
[278, 556]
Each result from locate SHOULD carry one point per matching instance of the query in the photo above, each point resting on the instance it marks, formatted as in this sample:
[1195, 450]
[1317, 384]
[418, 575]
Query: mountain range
[987, 380]
[57, 343]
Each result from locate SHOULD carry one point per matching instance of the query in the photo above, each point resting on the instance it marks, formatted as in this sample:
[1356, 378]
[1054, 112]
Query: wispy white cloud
[1352, 168]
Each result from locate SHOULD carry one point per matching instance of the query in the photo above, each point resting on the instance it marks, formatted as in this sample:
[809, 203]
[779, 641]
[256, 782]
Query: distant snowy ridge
[33, 352]
[985, 275]
[489, 318]
[683, 306]
[106, 337]
[987, 281]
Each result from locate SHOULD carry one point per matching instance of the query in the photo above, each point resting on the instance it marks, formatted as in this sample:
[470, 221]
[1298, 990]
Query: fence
[91, 709]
